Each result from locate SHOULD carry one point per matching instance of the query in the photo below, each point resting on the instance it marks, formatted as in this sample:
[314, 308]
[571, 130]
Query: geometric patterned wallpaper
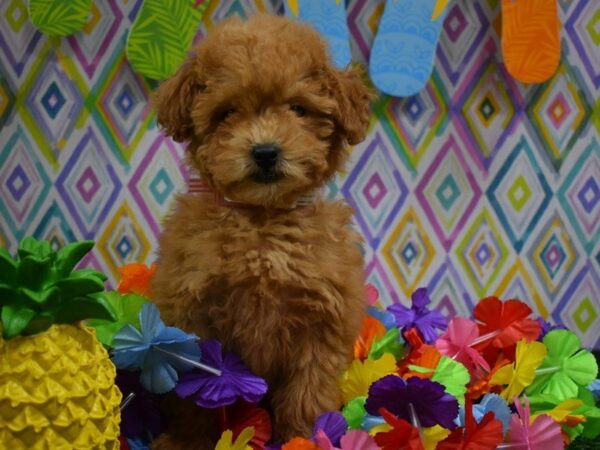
[478, 185]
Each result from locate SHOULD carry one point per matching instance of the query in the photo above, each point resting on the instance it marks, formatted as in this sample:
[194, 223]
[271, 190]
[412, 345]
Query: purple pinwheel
[213, 391]
[140, 413]
[419, 316]
[421, 402]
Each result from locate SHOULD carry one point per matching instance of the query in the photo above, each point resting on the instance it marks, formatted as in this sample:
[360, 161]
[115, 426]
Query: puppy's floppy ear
[173, 101]
[353, 100]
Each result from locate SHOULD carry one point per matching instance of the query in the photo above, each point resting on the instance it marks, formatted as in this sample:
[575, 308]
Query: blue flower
[490, 403]
[157, 350]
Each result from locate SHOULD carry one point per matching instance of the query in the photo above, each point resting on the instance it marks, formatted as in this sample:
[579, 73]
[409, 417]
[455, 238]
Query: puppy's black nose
[265, 155]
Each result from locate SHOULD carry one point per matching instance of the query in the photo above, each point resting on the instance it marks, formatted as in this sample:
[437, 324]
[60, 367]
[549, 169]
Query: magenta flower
[419, 316]
[212, 391]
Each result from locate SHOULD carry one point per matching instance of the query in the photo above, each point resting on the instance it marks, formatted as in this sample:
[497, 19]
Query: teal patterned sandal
[404, 49]
[328, 17]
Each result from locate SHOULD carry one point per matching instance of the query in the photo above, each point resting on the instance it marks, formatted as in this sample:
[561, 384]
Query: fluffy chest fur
[261, 282]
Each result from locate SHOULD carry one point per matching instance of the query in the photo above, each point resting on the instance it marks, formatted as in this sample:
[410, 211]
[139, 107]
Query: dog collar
[200, 187]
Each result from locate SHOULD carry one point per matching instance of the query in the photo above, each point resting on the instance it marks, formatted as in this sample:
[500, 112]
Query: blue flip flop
[328, 17]
[404, 49]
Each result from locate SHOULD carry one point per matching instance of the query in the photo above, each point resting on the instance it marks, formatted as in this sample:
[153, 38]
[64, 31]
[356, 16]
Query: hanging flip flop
[162, 34]
[530, 39]
[58, 17]
[328, 17]
[404, 48]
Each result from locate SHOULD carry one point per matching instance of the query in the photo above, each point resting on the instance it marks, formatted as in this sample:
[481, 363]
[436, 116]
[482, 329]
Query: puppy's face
[266, 115]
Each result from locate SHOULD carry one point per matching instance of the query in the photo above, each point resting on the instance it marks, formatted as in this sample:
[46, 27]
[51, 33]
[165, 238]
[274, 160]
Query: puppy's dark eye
[227, 113]
[299, 110]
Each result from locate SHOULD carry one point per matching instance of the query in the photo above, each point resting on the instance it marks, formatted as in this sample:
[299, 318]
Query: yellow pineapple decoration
[57, 386]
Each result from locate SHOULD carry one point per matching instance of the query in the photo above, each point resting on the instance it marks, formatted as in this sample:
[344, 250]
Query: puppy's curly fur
[280, 286]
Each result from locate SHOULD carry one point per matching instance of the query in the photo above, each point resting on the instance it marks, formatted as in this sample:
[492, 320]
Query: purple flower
[213, 391]
[333, 424]
[419, 316]
[141, 414]
[547, 327]
[415, 400]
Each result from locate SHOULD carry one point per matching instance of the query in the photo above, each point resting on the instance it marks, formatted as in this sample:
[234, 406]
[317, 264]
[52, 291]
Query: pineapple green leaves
[40, 288]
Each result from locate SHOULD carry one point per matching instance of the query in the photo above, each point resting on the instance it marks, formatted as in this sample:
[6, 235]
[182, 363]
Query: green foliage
[162, 35]
[59, 17]
[39, 288]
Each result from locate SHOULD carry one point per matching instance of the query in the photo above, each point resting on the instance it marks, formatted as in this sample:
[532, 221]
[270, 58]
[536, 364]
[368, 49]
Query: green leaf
[30, 246]
[126, 308]
[84, 273]
[161, 36]
[391, 342]
[8, 267]
[79, 287]
[39, 324]
[45, 298]
[33, 271]
[8, 294]
[566, 367]
[68, 256]
[82, 308]
[15, 319]
[59, 17]
[354, 412]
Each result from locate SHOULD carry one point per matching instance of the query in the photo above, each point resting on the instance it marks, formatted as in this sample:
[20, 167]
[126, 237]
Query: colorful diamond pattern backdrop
[478, 185]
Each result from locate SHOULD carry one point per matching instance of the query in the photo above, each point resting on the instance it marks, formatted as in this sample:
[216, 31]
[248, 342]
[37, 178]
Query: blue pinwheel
[157, 350]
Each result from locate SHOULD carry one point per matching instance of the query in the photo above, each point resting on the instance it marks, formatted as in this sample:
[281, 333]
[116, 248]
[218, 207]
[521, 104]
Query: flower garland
[418, 382]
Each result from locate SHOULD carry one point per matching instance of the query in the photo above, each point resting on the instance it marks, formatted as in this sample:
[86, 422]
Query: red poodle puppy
[267, 118]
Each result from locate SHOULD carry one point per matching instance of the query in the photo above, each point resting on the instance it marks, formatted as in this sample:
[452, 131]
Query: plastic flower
[415, 400]
[156, 349]
[457, 342]
[419, 316]
[140, 413]
[300, 444]
[594, 388]
[331, 424]
[566, 367]
[402, 434]
[489, 403]
[391, 342]
[135, 279]
[561, 412]
[353, 440]
[372, 294]
[371, 330]
[430, 437]
[547, 327]
[542, 433]
[385, 317]
[212, 391]
[241, 443]
[243, 415]
[520, 374]
[358, 378]
[449, 373]
[127, 309]
[485, 435]
[503, 324]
